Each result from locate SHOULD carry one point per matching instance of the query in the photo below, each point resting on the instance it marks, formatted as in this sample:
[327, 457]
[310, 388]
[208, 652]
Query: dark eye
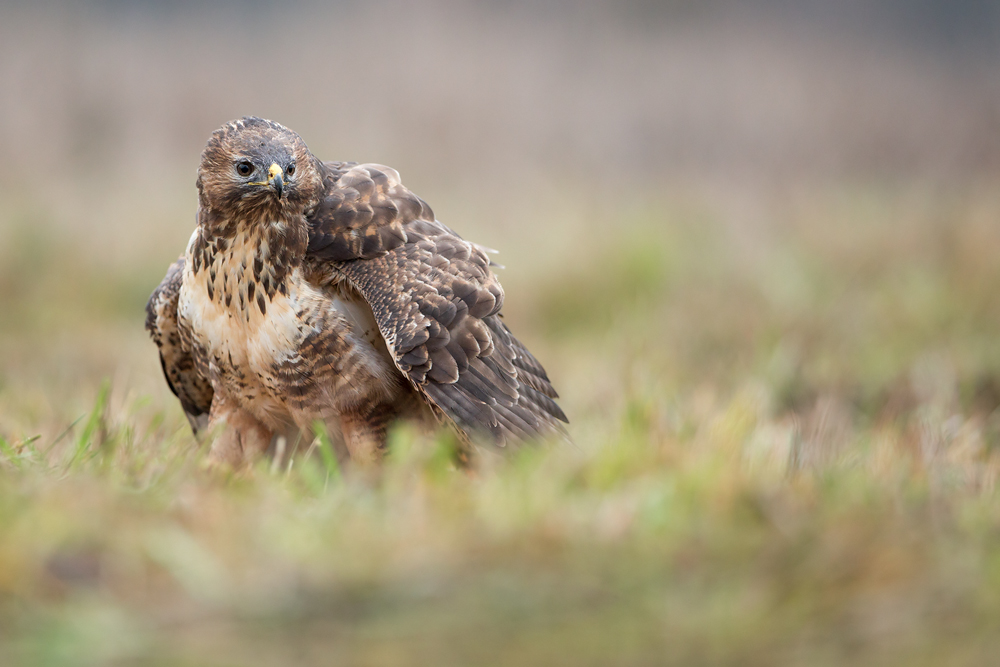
[290, 171]
[244, 169]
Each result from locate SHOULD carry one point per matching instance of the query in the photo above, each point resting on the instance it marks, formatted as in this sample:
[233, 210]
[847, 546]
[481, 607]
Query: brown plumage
[328, 291]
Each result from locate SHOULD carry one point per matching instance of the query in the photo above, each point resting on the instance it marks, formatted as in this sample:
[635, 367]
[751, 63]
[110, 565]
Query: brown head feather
[236, 197]
[227, 195]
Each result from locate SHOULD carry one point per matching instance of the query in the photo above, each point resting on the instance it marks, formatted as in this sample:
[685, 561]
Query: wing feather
[436, 302]
[191, 387]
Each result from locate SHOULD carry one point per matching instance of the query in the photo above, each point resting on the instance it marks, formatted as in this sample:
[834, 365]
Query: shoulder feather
[364, 212]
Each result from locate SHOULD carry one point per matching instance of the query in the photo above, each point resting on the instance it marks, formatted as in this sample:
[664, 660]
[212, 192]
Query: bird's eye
[290, 171]
[244, 169]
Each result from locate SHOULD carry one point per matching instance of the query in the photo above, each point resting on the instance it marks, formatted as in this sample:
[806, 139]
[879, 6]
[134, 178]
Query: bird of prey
[326, 292]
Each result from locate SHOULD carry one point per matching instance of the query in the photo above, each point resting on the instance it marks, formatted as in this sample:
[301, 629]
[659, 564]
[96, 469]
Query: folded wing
[437, 305]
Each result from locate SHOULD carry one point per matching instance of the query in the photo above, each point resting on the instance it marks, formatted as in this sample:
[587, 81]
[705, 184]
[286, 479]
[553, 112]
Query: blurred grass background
[754, 243]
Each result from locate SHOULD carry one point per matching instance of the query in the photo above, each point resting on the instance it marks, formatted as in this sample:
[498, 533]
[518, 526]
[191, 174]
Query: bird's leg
[365, 430]
[240, 439]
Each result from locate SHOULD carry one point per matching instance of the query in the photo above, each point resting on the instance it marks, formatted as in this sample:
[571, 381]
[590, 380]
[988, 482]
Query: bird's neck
[234, 255]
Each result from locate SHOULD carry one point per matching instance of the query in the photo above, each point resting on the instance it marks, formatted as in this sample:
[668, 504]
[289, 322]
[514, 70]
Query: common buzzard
[328, 291]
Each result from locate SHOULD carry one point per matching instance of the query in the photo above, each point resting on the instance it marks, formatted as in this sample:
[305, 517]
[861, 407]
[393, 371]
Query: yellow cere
[272, 172]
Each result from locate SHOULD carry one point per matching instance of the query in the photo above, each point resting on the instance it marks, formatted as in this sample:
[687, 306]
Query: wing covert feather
[437, 305]
[363, 213]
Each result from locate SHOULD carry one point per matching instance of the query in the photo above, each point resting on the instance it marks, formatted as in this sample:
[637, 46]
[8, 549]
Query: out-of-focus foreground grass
[786, 454]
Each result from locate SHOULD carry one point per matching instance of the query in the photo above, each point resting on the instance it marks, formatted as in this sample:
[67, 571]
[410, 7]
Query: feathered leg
[365, 431]
[240, 438]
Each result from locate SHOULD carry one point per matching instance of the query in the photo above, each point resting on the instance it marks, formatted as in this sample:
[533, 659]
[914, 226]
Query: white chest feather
[235, 319]
[283, 348]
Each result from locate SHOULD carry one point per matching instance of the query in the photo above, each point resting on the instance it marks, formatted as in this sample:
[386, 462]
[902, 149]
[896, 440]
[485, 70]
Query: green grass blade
[9, 453]
[64, 433]
[326, 451]
[95, 419]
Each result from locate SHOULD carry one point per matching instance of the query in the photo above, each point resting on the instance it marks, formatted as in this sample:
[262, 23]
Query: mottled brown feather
[363, 212]
[176, 358]
[437, 304]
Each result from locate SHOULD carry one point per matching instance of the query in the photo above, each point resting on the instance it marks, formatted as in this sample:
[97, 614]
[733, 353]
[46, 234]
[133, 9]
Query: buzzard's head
[255, 169]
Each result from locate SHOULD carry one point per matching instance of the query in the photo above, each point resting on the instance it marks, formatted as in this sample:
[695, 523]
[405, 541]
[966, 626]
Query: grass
[787, 453]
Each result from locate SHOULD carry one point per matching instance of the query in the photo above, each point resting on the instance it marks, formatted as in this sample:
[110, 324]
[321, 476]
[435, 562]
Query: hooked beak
[274, 179]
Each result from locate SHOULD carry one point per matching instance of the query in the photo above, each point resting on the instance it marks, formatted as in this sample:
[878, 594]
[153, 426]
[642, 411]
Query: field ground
[787, 453]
